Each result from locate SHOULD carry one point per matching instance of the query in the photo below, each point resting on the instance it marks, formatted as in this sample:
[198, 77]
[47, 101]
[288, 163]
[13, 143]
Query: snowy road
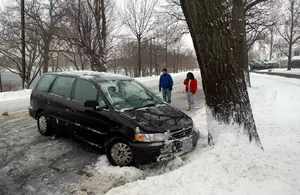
[33, 164]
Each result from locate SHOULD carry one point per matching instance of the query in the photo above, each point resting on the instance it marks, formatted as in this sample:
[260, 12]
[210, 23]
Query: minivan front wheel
[43, 125]
[119, 153]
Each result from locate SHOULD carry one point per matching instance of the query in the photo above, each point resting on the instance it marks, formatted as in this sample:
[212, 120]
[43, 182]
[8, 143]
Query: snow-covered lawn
[283, 70]
[231, 167]
[15, 95]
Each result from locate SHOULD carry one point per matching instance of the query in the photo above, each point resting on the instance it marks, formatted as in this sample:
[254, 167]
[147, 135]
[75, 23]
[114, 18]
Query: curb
[295, 76]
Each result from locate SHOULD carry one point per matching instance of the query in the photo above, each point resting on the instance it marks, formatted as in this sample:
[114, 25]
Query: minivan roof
[93, 75]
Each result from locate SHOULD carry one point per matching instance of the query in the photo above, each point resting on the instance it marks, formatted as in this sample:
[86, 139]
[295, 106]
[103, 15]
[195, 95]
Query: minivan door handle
[47, 102]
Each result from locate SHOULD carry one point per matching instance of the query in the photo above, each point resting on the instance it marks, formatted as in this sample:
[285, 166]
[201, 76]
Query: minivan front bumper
[145, 153]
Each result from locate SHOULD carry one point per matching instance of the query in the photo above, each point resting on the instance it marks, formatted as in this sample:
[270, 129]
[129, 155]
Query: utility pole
[23, 42]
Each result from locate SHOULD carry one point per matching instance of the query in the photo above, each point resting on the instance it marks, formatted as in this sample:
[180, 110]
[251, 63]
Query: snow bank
[235, 167]
[15, 95]
[105, 177]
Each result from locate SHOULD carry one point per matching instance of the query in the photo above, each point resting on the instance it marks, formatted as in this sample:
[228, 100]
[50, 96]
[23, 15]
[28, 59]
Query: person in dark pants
[166, 85]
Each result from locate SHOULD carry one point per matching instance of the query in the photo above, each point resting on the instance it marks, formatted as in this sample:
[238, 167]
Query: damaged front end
[150, 148]
[175, 146]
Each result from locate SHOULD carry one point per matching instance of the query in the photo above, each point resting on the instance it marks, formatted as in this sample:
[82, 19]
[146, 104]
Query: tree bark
[291, 35]
[150, 57]
[174, 65]
[290, 58]
[139, 57]
[222, 75]
[23, 43]
[103, 36]
[271, 42]
[166, 52]
[239, 28]
[46, 56]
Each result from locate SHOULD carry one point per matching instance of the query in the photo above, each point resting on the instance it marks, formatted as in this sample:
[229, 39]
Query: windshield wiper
[144, 106]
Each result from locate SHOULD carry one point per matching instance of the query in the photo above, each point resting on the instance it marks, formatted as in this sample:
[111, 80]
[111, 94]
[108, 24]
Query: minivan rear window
[45, 83]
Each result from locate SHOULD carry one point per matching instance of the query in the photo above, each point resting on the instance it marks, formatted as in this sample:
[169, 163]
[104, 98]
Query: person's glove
[160, 89]
[171, 88]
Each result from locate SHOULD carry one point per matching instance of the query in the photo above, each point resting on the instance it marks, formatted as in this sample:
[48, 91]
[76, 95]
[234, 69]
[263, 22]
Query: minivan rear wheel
[119, 153]
[44, 125]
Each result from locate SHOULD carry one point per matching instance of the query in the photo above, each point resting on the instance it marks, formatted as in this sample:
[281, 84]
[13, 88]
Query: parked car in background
[296, 63]
[257, 65]
[113, 112]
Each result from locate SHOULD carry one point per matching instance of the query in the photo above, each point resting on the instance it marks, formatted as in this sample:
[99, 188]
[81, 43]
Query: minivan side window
[63, 86]
[85, 90]
[45, 82]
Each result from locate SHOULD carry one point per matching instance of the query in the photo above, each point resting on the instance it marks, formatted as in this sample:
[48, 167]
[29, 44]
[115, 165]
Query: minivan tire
[119, 152]
[44, 125]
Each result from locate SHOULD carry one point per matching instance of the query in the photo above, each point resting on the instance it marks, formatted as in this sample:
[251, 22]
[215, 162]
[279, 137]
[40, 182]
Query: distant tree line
[85, 34]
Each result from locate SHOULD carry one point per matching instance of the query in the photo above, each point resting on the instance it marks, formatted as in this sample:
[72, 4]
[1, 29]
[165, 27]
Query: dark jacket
[166, 81]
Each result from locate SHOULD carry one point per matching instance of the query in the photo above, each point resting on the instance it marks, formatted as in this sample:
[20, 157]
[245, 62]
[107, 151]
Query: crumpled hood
[160, 118]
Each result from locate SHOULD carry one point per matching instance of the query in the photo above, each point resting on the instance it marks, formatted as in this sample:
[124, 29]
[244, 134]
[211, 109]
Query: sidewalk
[287, 74]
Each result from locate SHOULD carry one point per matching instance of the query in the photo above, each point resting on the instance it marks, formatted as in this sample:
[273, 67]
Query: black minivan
[113, 112]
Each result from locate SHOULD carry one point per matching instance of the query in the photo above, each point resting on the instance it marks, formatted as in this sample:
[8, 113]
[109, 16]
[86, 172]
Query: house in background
[282, 59]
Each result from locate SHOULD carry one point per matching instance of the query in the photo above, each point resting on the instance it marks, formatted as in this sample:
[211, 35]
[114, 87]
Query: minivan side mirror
[91, 104]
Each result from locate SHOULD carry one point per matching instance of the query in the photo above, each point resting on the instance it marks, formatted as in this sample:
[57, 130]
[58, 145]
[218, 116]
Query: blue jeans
[166, 95]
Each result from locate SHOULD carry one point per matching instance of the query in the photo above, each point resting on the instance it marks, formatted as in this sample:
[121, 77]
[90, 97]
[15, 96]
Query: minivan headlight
[154, 137]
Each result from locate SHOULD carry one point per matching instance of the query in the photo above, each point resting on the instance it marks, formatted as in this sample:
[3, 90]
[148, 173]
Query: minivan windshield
[128, 94]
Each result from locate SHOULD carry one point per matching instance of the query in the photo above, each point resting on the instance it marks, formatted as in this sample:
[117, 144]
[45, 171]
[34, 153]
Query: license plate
[187, 145]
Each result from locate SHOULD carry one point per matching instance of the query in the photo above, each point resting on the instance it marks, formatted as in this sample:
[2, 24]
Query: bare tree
[10, 47]
[137, 15]
[46, 16]
[217, 49]
[125, 54]
[289, 30]
[86, 30]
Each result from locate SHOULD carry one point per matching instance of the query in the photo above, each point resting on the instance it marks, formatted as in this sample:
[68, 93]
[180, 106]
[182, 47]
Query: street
[33, 164]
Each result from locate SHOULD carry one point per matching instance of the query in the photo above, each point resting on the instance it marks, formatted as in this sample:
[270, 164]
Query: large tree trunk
[239, 27]
[223, 78]
[245, 57]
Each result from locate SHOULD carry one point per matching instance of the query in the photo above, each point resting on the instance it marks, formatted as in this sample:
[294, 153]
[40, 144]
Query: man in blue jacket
[166, 85]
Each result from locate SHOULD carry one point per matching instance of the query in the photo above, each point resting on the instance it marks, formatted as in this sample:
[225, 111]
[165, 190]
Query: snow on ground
[232, 166]
[283, 70]
[15, 95]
